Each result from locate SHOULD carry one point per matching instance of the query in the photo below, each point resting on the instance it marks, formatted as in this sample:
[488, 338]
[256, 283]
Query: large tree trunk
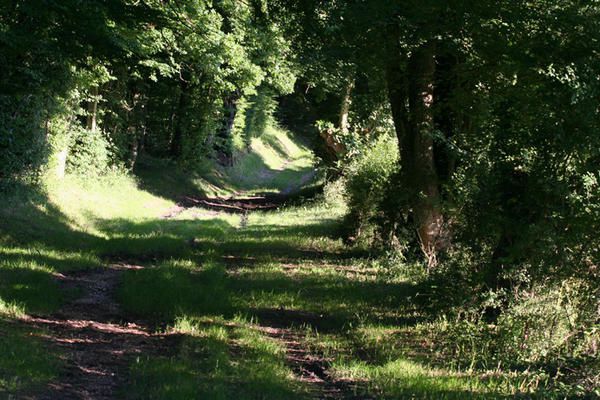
[423, 176]
[412, 109]
[230, 109]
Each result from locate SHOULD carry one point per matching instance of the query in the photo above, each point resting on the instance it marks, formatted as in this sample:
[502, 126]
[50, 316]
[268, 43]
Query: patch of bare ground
[239, 205]
[97, 339]
[177, 210]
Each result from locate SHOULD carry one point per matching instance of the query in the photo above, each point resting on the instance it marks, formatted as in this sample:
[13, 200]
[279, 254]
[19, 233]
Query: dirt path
[242, 203]
[97, 338]
[99, 343]
[309, 367]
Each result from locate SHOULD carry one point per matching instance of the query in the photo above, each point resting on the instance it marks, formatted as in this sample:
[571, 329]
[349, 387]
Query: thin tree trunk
[176, 149]
[61, 162]
[137, 124]
[92, 109]
[345, 107]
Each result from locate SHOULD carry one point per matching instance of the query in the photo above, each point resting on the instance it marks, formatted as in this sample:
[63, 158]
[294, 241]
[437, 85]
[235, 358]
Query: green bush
[367, 176]
[22, 138]
[90, 153]
[259, 114]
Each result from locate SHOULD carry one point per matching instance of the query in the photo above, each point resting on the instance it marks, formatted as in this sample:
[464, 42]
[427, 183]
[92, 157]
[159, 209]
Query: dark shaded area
[162, 178]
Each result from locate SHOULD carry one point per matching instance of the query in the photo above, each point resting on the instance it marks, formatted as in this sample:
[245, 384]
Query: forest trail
[254, 297]
[99, 341]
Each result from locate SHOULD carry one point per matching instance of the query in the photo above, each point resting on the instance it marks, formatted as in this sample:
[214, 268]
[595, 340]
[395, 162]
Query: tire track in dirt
[309, 367]
[97, 339]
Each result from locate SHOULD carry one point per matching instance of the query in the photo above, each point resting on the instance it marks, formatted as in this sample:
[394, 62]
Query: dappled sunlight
[26, 361]
[233, 286]
[270, 301]
[224, 352]
[274, 164]
[403, 378]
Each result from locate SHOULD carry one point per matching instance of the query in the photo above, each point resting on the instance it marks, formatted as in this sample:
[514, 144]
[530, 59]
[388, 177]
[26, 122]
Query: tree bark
[92, 109]
[412, 110]
[427, 203]
[345, 107]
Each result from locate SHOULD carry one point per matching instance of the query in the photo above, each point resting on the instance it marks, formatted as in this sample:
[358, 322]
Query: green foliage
[365, 177]
[89, 153]
[259, 114]
[23, 146]
[503, 154]
[154, 77]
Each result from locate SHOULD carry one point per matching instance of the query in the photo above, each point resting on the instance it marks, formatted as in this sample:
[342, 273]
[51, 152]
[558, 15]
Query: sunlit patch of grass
[27, 284]
[218, 359]
[25, 363]
[208, 274]
[28, 277]
[276, 162]
[87, 202]
[403, 378]
[11, 309]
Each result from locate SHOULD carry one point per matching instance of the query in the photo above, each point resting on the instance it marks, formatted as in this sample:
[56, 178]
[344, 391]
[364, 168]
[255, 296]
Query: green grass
[217, 359]
[25, 362]
[289, 267]
[276, 162]
[46, 232]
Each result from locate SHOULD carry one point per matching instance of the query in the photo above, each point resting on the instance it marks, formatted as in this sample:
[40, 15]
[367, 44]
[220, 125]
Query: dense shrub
[89, 153]
[22, 138]
[366, 177]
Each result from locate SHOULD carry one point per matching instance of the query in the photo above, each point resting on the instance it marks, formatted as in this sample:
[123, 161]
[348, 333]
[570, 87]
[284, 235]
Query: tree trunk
[427, 203]
[176, 149]
[92, 109]
[136, 123]
[225, 135]
[412, 110]
[345, 108]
